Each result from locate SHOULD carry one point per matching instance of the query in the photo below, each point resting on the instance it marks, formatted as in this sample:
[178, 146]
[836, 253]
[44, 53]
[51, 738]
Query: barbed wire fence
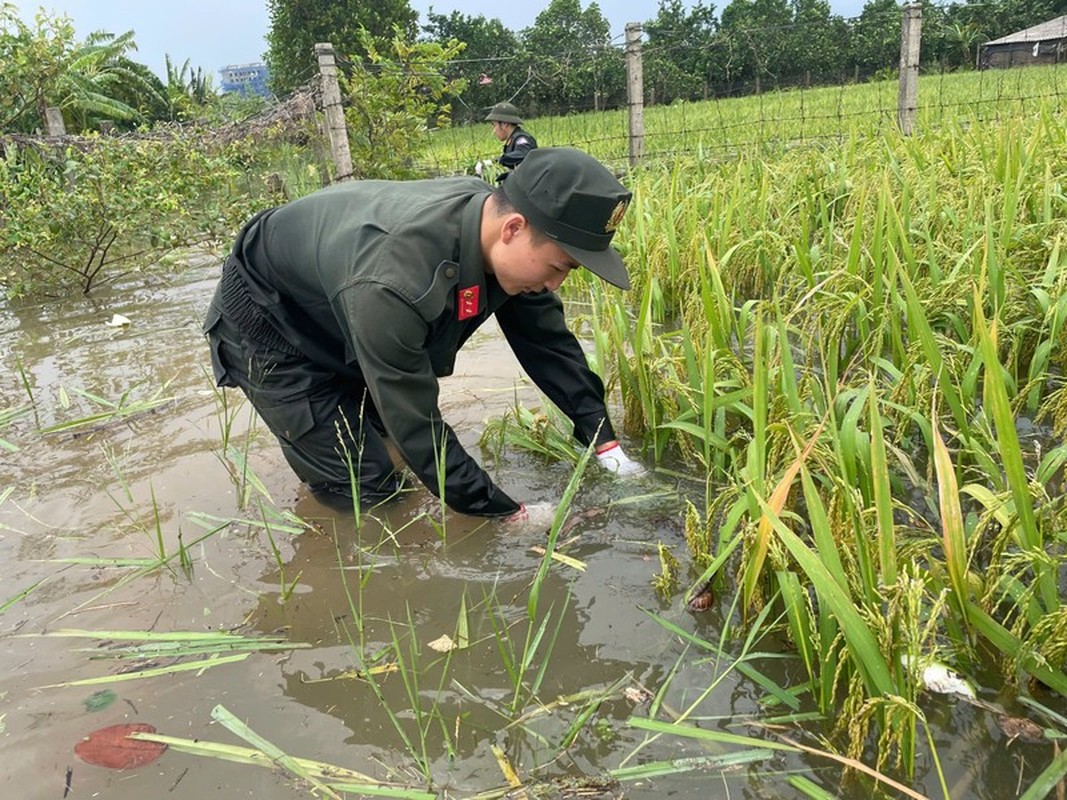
[772, 108]
[638, 111]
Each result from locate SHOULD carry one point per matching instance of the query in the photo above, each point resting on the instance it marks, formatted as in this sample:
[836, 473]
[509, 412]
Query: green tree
[187, 89]
[76, 218]
[1015, 15]
[492, 66]
[815, 41]
[876, 42]
[963, 27]
[393, 99]
[680, 50]
[96, 75]
[296, 26]
[759, 36]
[573, 64]
[90, 80]
[31, 58]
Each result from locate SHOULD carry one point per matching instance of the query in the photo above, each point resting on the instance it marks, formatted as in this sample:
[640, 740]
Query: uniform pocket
[289, 420]
[212, 322]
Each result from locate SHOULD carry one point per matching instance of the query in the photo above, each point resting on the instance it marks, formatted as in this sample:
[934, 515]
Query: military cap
[575, 200]
[504, 112]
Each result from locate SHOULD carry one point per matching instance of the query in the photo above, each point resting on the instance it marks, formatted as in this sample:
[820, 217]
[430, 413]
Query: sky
[212, 34]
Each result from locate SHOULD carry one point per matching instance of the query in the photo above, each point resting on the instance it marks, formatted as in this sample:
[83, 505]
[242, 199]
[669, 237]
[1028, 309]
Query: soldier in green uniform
[337, 313]
[507, 127]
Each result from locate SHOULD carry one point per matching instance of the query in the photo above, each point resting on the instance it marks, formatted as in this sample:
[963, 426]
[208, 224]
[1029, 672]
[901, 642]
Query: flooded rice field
[160, 564]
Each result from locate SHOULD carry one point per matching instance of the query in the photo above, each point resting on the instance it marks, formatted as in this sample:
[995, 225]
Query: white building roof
[1046, 31]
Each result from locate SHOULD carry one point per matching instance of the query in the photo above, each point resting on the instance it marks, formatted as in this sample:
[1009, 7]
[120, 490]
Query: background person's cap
[573, 199]
[504, 112]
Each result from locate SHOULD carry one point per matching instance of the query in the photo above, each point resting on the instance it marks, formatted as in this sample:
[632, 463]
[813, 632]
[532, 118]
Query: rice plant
[842, 344]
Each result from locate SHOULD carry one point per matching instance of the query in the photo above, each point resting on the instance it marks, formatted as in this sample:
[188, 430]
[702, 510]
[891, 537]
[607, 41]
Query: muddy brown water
[346, 595]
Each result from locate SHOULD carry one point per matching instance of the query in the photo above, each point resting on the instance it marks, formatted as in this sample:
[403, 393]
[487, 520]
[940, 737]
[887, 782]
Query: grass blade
[953, 534]
[207, 663]
[754, 568]
[883, 496]
[222, 715]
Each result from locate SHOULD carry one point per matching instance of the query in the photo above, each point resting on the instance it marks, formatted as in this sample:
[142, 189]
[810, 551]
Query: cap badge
[616, 217]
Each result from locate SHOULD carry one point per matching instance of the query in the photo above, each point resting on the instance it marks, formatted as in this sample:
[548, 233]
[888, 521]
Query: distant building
[245, 79]
[1042, 44]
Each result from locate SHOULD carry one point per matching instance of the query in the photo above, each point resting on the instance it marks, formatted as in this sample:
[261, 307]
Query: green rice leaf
[1045, 783]
[208, 663]
[861, 641]
[691, 732]
[953, 535]
[883, 494]
[1011, 455]
[222, 715]
[655, 769]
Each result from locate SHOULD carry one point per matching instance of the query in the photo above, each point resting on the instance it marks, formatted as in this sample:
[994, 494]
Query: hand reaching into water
[615, 460]
[531, 518]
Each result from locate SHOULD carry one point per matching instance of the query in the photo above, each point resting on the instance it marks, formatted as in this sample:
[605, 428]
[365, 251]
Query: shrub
[74, 218]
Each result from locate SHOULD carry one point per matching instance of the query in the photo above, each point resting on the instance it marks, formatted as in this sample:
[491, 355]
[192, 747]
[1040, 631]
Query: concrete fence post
[910, 41]
[53, 122]
[635, 92]
[335, 115]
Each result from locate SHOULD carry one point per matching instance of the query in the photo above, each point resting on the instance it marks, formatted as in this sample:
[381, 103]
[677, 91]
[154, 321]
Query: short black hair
[503, 206]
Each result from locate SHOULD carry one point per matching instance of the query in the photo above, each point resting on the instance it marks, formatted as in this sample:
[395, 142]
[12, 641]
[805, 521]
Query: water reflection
[381, 602]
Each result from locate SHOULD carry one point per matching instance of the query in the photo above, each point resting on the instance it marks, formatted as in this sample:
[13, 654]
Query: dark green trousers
[327, 426]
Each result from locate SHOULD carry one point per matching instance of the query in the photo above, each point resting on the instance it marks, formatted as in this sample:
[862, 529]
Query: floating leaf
[110, 747]
[561, 558]
[98, 701]
[442, 644]
[1021, 728]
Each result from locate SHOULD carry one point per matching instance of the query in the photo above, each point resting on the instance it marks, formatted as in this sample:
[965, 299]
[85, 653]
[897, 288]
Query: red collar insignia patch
[468, 303]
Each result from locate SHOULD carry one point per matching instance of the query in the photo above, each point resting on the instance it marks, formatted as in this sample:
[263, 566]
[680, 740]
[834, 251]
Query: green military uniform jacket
[385, 281]
[516, 147]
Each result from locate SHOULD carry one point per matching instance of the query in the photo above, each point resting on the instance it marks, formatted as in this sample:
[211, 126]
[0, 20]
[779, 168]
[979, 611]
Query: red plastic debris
[110, 747]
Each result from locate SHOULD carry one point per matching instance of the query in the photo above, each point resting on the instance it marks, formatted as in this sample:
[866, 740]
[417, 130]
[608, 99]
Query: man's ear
[512, 226]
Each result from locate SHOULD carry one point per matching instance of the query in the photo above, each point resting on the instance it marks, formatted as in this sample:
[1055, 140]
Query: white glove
[532, 518]
[614, 460]
[478, 168]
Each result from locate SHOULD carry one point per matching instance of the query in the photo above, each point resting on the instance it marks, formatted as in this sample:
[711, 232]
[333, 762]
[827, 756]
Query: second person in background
[507, 127]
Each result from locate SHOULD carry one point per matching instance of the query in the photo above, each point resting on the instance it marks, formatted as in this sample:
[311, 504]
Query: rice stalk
[1030, 535]
[953, 533]
[883, 500]
[775, 503]
[337, 778]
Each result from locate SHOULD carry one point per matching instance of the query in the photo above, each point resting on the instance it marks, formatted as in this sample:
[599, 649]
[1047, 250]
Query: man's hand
[532, 518]
[615, 460]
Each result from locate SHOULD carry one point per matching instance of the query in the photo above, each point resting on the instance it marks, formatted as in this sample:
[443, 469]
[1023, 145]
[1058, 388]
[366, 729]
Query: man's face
[525, 262]
[502, 130]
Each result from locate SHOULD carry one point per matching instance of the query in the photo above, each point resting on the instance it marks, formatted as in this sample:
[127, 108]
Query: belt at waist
[239, 306]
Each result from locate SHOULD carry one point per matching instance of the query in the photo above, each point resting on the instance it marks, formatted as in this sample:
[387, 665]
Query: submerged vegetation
[853, 350]
[860, 345]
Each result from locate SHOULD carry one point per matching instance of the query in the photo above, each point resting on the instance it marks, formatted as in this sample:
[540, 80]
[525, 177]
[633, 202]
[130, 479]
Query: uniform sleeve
[535, 328]
[387, 337]
[522, 145]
